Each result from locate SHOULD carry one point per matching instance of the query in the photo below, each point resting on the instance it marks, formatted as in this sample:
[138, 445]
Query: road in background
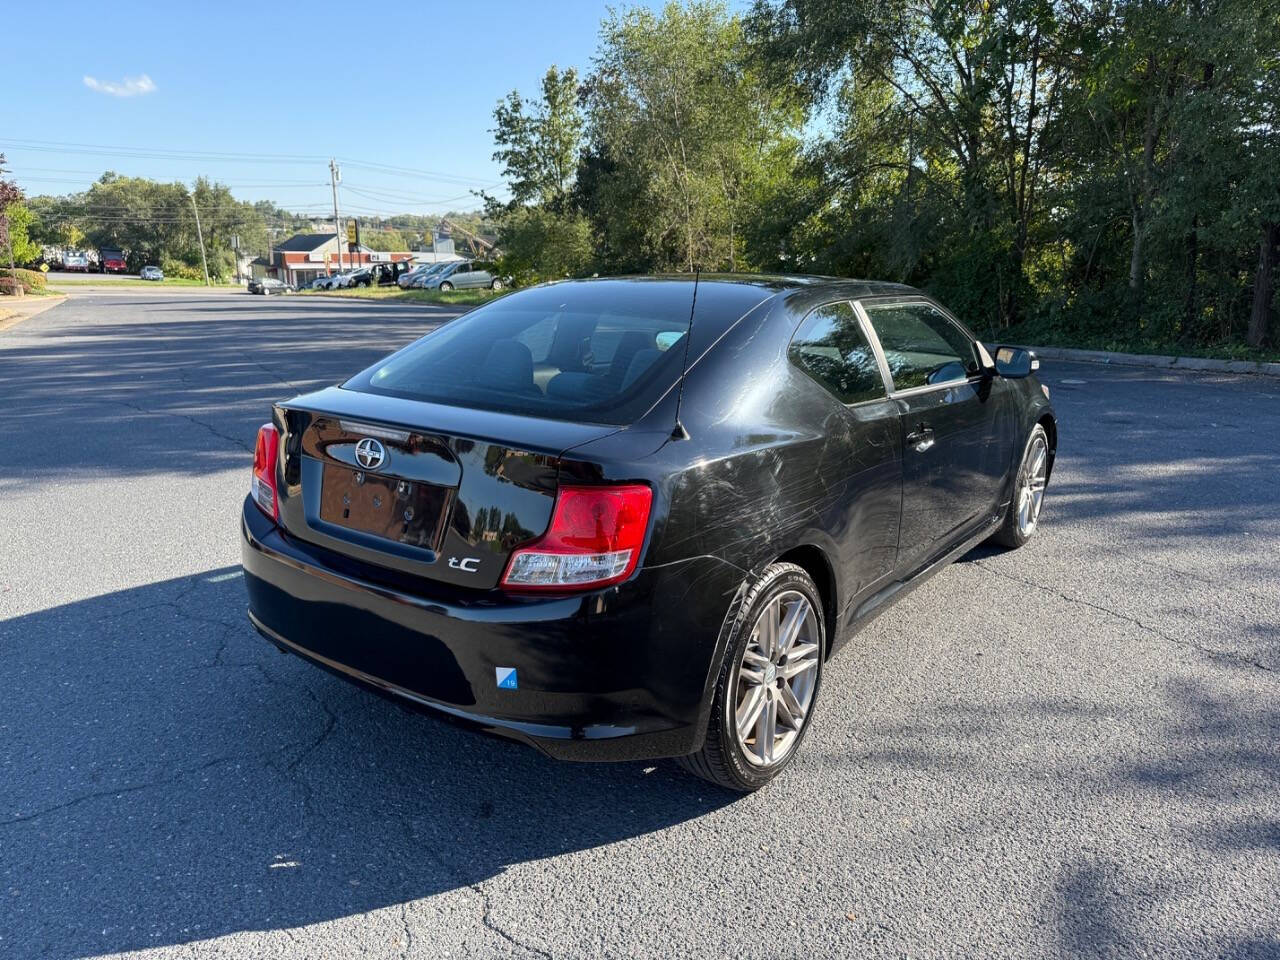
[1067, 750]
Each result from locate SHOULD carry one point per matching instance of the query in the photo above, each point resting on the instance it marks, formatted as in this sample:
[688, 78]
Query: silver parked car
[414, 277]
[150, 272]
[462, 274]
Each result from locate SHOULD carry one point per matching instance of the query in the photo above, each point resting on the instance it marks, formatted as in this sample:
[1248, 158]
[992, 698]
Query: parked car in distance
[268, 285]
[464, 274]
[378, 274]
[150, 272]
[629, 519]
[75, 262]
[329, 282]
[410, 278]
[419, 281]
[111, 260]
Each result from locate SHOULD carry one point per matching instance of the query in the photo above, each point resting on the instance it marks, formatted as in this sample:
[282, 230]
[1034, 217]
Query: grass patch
[1042, 335]
[396, 295]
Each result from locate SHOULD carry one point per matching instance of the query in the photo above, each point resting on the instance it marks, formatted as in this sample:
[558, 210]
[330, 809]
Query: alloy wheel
[1033, 476]
[776, 680]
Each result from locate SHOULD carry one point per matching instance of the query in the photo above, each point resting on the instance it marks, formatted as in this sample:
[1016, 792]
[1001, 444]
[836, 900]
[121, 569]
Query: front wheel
[1028, 492]
[768, 684]
[496, 284]
[446, 287]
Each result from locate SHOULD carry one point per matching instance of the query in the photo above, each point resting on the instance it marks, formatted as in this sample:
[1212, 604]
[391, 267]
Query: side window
[921, 345]
[830, 347]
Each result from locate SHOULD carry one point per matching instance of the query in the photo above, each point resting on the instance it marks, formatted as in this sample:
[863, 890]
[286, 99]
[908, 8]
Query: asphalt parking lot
[1071, 750]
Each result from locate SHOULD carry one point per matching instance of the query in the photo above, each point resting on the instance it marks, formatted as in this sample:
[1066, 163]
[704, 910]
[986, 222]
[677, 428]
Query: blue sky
[159, 90]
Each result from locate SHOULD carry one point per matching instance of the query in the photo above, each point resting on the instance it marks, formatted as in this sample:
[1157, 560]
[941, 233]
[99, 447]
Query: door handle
[921, 438]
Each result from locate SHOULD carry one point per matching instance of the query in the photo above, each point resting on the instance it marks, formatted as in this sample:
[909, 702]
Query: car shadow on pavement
[168, 776]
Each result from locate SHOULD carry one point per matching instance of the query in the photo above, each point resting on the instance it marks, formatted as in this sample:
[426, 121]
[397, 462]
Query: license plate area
[407, 511]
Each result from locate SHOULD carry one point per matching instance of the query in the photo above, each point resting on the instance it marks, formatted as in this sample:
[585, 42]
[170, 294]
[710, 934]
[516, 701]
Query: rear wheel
[1028, 492]
[768, 684]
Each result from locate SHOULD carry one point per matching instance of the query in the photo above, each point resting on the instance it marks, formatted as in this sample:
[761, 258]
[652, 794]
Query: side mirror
[1014, 362]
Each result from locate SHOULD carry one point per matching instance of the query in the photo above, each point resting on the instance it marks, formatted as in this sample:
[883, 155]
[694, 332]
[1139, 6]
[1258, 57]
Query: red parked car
[111, 260]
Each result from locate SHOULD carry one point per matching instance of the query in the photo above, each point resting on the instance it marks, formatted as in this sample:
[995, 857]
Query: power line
[97, 149]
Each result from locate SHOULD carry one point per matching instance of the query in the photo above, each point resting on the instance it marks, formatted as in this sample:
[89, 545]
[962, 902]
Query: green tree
[20, 219]
[10, 197]
[686, 138]
[959, 107]
[538, 243]
[538, 143]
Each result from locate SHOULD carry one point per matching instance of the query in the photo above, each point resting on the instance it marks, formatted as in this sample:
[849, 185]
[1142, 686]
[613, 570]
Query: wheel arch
[1050, 425]
[815, 562]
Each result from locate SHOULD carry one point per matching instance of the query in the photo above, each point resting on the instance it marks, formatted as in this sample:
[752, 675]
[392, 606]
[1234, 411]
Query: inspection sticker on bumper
[506, 678]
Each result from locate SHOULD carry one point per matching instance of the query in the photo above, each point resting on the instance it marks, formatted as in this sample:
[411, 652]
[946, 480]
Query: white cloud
[128, 87]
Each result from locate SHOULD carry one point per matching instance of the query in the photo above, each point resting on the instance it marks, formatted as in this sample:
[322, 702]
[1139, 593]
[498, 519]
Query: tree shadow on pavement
[169, 777]
[176, 393]
[1156, 836]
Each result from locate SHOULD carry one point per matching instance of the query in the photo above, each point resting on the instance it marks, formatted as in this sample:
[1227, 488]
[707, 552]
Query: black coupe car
[632, 518]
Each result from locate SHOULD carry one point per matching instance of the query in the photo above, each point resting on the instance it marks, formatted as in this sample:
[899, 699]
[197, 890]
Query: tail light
[263, 485]
[594, 540]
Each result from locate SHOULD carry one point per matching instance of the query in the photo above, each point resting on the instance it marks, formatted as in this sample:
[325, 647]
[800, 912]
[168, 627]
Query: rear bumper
[620, 674]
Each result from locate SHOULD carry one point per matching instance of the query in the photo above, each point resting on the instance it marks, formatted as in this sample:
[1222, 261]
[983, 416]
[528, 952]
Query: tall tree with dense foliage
[541, 232]
[1099, 169]
[10, 196]
[538, 143]
[687, 141]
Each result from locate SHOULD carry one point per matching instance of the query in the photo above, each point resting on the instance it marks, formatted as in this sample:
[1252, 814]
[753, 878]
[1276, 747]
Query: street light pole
[200, 235]
[334, 176]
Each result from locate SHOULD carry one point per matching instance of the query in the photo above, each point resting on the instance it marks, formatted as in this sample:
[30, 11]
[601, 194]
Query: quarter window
[831, 348]
[921, 345]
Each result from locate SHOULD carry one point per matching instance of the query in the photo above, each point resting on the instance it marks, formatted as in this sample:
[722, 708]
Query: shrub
[181, 269]
[32, 280]
[29, 280]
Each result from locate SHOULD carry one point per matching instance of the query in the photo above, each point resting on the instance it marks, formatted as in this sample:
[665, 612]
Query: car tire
[496, 284]
[728, 758]
[446, 286]
[1023, 516]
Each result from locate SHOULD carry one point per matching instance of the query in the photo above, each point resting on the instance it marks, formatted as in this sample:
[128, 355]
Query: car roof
[777, 283]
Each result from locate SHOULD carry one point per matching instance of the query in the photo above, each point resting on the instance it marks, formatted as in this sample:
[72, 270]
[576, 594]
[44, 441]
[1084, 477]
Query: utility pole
[200, 235]
[335, 175]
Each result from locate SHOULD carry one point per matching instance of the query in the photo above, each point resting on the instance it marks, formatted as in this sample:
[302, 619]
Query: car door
[461, 278]
[862, 459]
[954, 452]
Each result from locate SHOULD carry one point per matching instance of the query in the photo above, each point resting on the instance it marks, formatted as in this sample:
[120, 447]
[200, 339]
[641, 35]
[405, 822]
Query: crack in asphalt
[486, 918]
[408, 933]
[134, 788]
[1230, 656]
[264, 756]
[486, 902]
[267, 370]
[185, 416]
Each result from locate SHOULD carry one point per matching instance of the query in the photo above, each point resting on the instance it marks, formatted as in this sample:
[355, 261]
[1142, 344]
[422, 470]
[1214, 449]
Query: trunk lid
[441, 492]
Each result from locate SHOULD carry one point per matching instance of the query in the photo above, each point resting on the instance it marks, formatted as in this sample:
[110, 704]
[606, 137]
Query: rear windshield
[592, 352]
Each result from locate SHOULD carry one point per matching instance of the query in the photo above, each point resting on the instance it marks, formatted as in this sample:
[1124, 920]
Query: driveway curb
[1260, 368]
